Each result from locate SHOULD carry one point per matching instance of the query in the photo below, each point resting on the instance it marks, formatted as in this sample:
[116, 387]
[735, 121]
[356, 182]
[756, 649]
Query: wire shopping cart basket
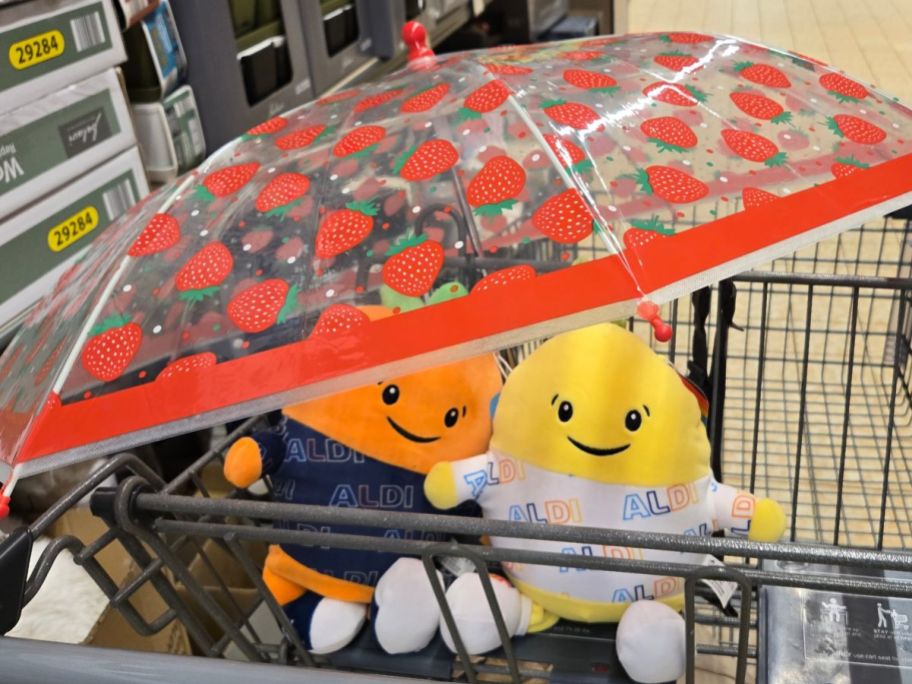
[808, 372]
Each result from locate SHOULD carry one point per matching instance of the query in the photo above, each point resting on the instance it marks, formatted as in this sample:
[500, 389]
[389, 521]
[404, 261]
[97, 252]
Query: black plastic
[15, 552]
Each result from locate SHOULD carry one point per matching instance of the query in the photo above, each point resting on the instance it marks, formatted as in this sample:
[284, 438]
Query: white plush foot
[334, 624]
[650, 643]
[473, 615]
[407, 611]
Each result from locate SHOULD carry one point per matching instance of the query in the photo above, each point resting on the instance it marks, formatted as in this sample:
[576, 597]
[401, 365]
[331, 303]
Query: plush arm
[250, 458]
[742, 513]
[448, 484]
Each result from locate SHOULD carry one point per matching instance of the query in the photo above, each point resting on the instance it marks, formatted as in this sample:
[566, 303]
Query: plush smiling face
[442, 414]
[597, 403]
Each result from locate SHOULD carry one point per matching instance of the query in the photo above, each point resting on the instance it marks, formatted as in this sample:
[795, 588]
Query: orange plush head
[415, 421]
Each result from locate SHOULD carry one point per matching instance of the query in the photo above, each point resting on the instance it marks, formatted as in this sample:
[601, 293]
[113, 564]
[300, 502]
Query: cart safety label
[73, 228]
[37, 49]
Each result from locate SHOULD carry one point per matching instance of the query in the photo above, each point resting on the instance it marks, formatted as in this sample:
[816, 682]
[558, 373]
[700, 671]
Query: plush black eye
[390, 395]
[565, 411]
[633, 421]
[451, 417]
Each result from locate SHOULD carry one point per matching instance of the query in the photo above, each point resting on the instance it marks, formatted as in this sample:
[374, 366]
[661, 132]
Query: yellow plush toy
[595, 429]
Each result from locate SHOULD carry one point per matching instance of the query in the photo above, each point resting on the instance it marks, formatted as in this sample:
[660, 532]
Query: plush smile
[411, 436]
[596, 451]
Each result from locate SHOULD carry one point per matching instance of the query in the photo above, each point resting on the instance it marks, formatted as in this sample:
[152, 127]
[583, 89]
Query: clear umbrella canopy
[488, 198]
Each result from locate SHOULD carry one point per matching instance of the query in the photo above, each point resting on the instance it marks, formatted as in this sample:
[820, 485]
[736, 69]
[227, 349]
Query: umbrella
[488, 197]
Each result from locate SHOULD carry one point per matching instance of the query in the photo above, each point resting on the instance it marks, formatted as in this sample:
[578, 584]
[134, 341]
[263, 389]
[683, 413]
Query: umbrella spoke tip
[649, 312]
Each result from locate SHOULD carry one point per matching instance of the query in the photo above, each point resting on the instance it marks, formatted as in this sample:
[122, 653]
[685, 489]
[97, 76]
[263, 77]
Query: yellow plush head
[599, 404]
[414, 421]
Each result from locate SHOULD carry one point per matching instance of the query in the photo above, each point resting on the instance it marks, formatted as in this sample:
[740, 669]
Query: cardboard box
[157, 61]
[47, 143]
[170, 135]
[40, 242]
[112, 630]
[50, 44]
[338, 39]
[216, 74]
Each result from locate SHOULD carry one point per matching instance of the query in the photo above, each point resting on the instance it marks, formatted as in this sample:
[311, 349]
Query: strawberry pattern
[487, 171]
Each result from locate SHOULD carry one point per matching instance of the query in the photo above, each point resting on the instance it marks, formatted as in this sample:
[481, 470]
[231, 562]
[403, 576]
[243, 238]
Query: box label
[44, 246]
[85, 132]
[48, 44]
[41, 145]
[32, 51]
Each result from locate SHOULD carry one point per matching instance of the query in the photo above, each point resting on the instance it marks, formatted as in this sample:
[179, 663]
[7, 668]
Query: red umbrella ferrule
[415, 36]
[649, 312]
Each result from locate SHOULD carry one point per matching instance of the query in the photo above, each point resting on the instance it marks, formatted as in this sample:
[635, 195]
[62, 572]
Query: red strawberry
[262, 305]
[674, 94]
[426, 99]
[564, 218]
[688, 38]
[188, 364]
[590, 80]
[360, 141]
[569, 154]
[496, 186]
[377, 100]
[504, 276]
[572, 114]
[846, 166]
[282, 193]
[111, 348]
[413, 265]
[755, 197]
[760, 107]
[345, 228]
[161, 232]
[430, 158]
[582, 55]
[201, 276]
[484, 99]
[507, 69]
[676, 61]
[669, 133]
[763, 74]
[635, 238]
[855, 129]
[842, 88]
[302, 138]
[753, 147]
[226, 181]
[338, 97]
[273, 125]
[338, 318]
[671, 185]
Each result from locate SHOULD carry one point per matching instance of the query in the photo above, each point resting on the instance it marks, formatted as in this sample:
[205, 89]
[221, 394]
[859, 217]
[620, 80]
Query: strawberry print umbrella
[487, 197]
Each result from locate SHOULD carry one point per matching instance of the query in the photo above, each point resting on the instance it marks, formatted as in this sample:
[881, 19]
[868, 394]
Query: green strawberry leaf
[642, 179]
[653, 224]
[361, 154]
[741, 66]
[447, 291]
[115, 321]
[666, 147]
[284, 209]
[785, 117]
[405, 243]
[466, 114]
[552, 103]
[665, 38]
[674, 53]
[777, 159]
[197, 295]
[367, 207]
[203, 194]
[696, 93]
[845, 99]
[833, 126]
[494, 209]
[609, 90]
[852, 161]
[394, 300]
[403, 158]
[291, 303]
[583, 166]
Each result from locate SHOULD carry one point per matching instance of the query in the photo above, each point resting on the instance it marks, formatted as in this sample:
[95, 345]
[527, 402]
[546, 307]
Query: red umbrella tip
[649, 312]
[415, 37]
[4, 506]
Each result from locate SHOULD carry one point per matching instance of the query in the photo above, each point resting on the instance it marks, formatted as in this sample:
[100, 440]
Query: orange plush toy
[366, 448]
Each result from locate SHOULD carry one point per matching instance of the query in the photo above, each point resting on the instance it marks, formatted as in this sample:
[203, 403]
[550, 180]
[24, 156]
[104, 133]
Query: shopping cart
[808, 370]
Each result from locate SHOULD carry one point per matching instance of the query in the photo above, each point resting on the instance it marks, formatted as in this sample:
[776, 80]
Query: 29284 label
[36, 49]
[72, 229]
